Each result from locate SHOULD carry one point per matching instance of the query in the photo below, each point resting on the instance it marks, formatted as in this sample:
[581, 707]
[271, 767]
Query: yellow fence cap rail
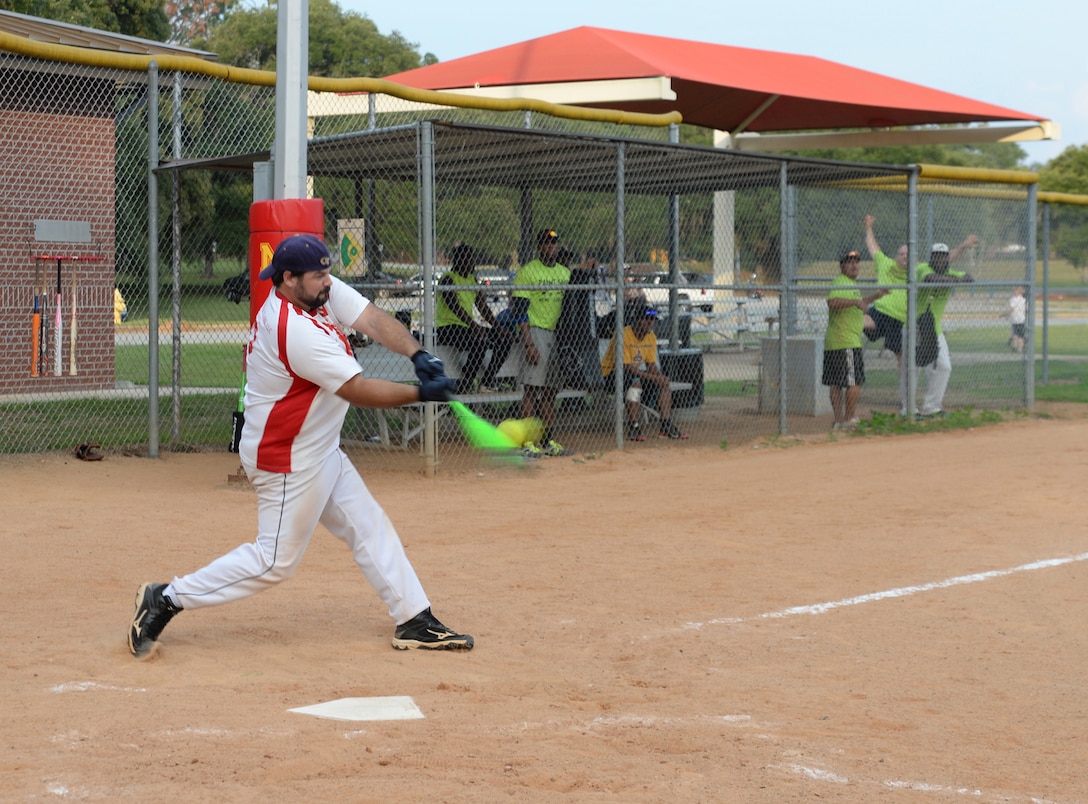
[992, 175]
[139, 63]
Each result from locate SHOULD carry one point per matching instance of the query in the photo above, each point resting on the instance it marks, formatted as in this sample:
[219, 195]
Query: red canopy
[716, 86]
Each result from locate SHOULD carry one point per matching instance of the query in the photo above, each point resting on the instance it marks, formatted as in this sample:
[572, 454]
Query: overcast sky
[1031, 57]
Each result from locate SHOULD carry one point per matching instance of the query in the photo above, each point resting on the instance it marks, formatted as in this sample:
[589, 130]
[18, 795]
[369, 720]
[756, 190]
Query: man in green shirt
[537, 307]
[455, 321]
[844, 364]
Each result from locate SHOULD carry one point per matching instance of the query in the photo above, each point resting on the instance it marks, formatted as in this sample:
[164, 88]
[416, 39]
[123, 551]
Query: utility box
[806, 395]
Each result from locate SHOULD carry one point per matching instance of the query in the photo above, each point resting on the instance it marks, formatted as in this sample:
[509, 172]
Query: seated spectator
[643, 381]
[456, 322]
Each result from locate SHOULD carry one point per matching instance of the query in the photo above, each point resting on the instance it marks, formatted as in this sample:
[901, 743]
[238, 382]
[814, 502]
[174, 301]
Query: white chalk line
[903, 591]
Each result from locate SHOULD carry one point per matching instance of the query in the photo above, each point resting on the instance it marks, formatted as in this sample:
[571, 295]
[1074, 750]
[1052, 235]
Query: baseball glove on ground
[88, 451]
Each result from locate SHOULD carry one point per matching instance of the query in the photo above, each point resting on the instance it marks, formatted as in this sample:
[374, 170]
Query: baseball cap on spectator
[298, 254]
[635, 310]
[940, 248]
[547, 236]
[849, 255]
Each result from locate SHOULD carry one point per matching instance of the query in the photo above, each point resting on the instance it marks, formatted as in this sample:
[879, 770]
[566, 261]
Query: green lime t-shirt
[934, 296]
[544, 304]
[443, 315]
[844, 325]
[888, 272]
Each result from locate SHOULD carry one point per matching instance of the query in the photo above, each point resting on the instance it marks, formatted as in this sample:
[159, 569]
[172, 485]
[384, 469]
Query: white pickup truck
[689, 295]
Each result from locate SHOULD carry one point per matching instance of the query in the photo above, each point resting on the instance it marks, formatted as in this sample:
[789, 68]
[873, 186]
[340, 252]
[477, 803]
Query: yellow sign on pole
[350, 233]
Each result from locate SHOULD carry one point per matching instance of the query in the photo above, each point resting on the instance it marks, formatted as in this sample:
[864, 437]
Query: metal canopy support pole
[620, 408]
[910, 343]
[674, 256]
[152, 260]
[1032, 234]
[426, 239]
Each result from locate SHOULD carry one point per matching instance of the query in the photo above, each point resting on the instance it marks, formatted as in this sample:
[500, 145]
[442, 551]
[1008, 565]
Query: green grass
[1068, 382]
[964, 418]
[115, 423]
[213, 365]
[1063, 340]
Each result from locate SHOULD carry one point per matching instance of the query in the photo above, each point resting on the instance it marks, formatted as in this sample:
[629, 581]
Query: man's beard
[313, 302]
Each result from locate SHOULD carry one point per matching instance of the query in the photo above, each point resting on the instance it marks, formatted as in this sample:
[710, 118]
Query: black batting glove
[434, 385]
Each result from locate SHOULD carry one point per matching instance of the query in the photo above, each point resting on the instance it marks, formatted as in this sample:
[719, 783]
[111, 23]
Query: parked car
[498, 281]
[381, 285]
[689, 295]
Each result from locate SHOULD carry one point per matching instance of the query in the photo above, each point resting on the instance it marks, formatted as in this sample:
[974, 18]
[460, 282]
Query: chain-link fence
[736, 252]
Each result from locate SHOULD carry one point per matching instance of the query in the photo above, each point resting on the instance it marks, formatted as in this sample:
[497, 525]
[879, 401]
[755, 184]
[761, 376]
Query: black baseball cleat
[424, 631]
[153, 612]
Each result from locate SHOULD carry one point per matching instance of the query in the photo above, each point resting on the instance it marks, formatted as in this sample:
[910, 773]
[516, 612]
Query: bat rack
[46, 340]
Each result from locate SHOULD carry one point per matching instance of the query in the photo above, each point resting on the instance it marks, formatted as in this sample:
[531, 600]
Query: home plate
[394, 707]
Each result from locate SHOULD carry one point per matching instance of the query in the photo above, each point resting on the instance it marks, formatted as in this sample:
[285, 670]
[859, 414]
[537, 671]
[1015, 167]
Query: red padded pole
[269, 223]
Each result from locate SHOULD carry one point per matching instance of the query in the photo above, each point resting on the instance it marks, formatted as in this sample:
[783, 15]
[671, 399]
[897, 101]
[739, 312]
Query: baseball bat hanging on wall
[58, 330]
[72, 326]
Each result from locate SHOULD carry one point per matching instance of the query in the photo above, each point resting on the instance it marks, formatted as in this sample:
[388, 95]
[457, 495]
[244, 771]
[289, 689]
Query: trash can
[684, 365]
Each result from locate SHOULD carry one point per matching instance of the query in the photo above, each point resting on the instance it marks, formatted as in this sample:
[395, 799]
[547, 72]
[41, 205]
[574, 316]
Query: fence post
[786, 322]
[152, 260]
[426, 239]
[1046, 295]
[910, 344]
[621, 280]
[1032, 234]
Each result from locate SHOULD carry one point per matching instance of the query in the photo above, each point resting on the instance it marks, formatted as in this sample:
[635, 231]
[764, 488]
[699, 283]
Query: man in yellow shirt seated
[643, 380]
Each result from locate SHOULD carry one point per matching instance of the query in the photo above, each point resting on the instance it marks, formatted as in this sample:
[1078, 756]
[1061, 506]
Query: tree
[994, 155]
[1068, 173]
[192, 20]
[343, 44]
[142, 18]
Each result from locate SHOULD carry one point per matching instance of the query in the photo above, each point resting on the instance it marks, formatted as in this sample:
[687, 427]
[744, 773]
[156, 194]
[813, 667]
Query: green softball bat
[480, 434]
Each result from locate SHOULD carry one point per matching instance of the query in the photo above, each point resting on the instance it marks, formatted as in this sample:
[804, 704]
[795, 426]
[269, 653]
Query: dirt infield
[893, 619]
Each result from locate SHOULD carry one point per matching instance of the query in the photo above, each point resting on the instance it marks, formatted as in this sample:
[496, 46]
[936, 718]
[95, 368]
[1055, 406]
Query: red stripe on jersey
[283, 426]
[287, 416]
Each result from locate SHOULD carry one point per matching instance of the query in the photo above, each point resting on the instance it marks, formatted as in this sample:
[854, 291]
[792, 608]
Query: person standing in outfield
[844, 363]
[301, 379]
[1018, 317]
[936, 283]
[643, 381]
[538, 308]
[456, 326]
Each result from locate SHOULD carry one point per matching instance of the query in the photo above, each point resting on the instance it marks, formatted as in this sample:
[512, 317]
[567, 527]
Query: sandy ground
[893, 619]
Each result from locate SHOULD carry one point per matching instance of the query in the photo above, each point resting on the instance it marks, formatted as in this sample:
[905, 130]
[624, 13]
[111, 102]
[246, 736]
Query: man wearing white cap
[936, 283]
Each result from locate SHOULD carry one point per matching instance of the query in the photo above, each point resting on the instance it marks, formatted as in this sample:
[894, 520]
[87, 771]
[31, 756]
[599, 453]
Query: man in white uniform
[301, 378]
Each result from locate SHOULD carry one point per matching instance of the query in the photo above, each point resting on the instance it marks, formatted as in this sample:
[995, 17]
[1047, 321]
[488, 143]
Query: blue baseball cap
[298, 254]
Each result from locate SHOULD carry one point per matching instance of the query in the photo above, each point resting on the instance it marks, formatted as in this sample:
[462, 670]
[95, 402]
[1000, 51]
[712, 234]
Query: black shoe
[669, 430]
[153, 612]
[634, 432]
[424, 631]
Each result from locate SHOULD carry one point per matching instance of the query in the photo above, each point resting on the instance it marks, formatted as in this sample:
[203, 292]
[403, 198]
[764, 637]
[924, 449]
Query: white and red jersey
[296, 361]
